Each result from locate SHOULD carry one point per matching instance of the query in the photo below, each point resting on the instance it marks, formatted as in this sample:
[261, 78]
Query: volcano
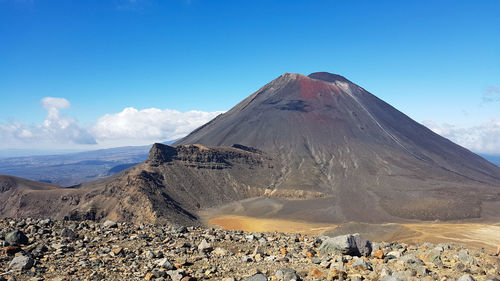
[314, 148]
[328, 135]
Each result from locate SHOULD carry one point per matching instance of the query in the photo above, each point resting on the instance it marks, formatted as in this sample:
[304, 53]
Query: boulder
[16, 238]
[204, 246]
[21, 262]
[257, 277]
[350, 244]
[466, 277]
[110, 224]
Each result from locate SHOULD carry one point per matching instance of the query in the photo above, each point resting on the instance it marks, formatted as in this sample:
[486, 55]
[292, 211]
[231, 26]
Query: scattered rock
[11, 250]
[220, 251]
[110, 224]
[204, 246]
[21, 262]
[66, 232]
[165, 252]
[16, 238]
[378, 254]
[466, 277]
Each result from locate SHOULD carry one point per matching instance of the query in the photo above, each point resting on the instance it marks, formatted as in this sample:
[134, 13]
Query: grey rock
[362, 264]
[287, 274]
[16, 238]
[391, 278]
[175, 275]
[465, 258]
[257, 277]
[68, 233]
[350, 244]
[110, 224]
[181, 229]
[165, 263]
[204, 246]
[466, 277]
[434, 256]
[21, 262]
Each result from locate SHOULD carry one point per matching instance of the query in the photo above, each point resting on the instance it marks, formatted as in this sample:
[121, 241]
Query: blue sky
[178, 63]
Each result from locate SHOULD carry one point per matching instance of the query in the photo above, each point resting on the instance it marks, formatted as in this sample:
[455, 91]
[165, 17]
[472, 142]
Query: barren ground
[473, 234]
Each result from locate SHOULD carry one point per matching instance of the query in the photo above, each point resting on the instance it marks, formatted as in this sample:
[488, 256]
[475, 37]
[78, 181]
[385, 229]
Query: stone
[181, 229]
[204, 246]
[165, 263]
[465, 258]
[466, 277]
[498, 250]
[21, 262]
[16, 238]
[175, 275]
[117, 251]
[378, 254]
[258, 250]
[315, 273]
[11, 250]
[362, 264]
[110, 224]
[149, 276]
[433, 256]
[391, 278]
[68, 233]
[350, 244]
[257, 277]
[220, 251]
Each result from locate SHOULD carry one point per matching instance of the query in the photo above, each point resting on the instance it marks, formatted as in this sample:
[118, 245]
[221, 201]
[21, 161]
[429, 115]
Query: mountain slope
[330, 135]
[171, 185]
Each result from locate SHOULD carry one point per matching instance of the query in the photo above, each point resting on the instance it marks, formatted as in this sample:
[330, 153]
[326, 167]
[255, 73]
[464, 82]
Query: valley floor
[479, 235]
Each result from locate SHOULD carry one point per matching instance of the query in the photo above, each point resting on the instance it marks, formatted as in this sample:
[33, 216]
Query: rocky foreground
[64, 250]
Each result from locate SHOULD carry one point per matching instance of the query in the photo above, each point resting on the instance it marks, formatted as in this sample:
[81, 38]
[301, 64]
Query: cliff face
[172, 185]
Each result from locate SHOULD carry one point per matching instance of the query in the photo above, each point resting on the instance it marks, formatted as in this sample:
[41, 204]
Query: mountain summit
[329, 135]
[316, 148]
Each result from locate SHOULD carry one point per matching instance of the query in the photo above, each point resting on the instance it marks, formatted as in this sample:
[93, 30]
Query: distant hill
[75, 168]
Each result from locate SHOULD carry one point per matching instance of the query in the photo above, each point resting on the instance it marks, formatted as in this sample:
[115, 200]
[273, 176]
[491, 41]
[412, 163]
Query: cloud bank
[128, 127]
[484, 138]
[56, 129]
[150, 125]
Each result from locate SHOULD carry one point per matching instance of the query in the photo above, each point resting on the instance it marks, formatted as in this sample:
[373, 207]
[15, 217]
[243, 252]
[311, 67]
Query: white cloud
[149, 125]
[128, 127]
[484, 138]
[56, 129]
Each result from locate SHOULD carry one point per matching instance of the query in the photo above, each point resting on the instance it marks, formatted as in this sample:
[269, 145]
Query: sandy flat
[230, 222]
[479, 235]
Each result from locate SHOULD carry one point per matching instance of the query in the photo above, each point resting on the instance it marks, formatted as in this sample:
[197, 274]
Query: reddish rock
[10, 250]
[379, 254]
[315, 273]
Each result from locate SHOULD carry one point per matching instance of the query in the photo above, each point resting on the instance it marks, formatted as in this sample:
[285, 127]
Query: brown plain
[479, 235]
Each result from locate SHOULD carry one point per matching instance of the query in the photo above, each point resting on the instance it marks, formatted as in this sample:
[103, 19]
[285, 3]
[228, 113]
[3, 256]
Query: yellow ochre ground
[479, 235]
